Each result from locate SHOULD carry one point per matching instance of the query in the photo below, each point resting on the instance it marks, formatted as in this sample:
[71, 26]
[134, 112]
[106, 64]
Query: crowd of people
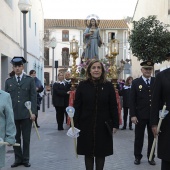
[96, 112]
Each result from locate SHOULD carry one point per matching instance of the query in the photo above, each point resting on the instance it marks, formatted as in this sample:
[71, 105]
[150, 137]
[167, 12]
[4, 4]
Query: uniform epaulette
[9, 78]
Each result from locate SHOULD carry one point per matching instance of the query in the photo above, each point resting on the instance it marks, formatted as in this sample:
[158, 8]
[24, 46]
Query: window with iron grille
[65, 35]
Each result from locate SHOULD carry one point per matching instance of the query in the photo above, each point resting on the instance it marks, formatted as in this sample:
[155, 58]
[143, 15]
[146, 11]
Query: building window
[9, 2]
[65, 35]
[65, 57]
[111, 36]
[35, 29]
[30, 19]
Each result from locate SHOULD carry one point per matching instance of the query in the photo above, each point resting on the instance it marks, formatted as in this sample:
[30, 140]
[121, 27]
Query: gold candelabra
[74, 52]
[113, 51]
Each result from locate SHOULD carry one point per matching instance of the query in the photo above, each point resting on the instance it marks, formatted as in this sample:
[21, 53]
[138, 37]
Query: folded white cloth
[73, 133]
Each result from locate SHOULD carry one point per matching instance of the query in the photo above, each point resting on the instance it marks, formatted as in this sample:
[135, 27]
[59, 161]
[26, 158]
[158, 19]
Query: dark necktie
[147, 82]
[18, 79]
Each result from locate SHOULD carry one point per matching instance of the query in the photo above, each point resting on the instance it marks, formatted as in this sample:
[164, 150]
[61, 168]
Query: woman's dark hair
[88, 74]
[12, 73]
[60, 73]
[32, 72]
[91, 24]
[127, 81]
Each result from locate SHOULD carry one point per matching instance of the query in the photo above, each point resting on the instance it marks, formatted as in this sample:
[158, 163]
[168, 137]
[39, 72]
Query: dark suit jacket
[60, 96]
[25, 91]
[161, 95]
[140, 98]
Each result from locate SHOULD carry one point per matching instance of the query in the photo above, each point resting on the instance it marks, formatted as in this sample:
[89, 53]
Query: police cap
[146, 64]
[17, 61]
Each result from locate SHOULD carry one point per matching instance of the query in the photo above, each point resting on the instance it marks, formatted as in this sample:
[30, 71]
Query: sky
[80, 9]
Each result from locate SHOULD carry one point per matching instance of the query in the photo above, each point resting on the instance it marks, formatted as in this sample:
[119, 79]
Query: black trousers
[125, 115]
[99, 162]
[165, 165]
[23, 126]
[60, 115]
[36, 117]
[139, 138]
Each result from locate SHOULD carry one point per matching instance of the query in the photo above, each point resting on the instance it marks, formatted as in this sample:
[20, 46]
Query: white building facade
[11, 37]
[144, 8]
[64, 30]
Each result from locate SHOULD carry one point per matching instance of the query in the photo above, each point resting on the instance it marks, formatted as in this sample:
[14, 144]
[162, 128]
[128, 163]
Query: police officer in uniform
[140, 107]
[22, 88]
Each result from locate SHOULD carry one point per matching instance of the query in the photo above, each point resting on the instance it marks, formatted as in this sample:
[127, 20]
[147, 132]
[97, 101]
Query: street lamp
[24, 6]
[53, 45]
[113, 51]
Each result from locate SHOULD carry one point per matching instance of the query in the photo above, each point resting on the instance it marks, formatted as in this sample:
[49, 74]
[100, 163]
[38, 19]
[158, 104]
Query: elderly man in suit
[22, 88]
[161, 96]
[7, 125]
[140, 107]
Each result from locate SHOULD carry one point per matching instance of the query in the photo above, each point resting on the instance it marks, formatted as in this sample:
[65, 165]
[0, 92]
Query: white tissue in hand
[73, 134]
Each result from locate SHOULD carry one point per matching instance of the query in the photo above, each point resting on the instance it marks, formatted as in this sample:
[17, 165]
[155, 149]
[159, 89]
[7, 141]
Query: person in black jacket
[140, 107]
[60, 99]
[125, 93]
[96, 116]
[39, 89]
[161, 96]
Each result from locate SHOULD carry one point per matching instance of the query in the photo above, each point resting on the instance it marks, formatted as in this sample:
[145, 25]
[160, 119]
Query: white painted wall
[11, 37]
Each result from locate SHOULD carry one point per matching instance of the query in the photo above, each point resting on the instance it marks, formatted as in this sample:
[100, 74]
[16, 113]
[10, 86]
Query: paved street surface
[55, 150]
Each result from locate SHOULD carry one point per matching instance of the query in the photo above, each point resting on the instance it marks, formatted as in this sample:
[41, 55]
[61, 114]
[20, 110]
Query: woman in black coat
[125, 93]
[160, 97]
[60, 99]
[96, 116]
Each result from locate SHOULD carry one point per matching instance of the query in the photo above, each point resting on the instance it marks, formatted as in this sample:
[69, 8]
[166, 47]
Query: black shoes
[123, 128]
[152, 162]
[15, 164]
[137, 161]
[26, 164]
[18, 164]
[60, 128]
[130, 128]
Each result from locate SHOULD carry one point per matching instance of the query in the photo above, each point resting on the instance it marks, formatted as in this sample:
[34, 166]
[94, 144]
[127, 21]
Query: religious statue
[92, 40]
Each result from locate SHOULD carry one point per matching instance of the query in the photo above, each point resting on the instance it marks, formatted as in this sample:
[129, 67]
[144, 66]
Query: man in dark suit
[161, 96]
[22, 88]
[140, 105]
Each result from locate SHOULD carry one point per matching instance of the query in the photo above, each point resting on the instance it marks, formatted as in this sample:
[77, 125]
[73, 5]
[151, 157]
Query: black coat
[140, 98]
[60, 96]
[161, 94]
[95, 104]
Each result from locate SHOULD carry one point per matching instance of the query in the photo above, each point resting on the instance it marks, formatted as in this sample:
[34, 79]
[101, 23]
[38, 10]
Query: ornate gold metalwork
[113, 51]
